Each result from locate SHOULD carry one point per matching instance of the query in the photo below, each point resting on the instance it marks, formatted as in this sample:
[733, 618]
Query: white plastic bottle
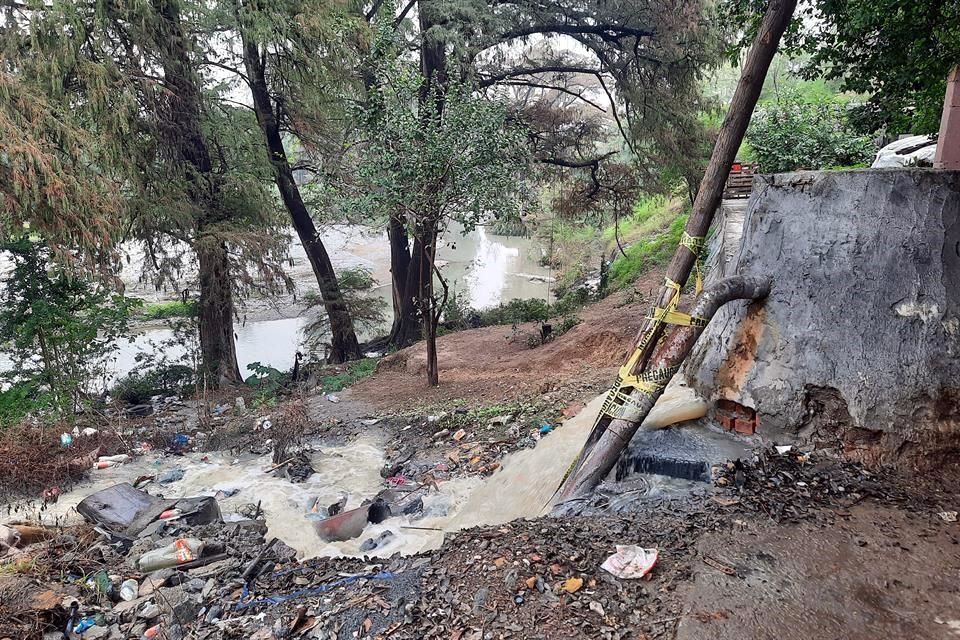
[179, 551]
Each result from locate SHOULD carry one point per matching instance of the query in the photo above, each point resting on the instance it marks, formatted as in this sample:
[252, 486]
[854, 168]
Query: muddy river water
[484, 267]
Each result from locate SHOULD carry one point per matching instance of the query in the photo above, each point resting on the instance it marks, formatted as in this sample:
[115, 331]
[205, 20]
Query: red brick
[747, 427]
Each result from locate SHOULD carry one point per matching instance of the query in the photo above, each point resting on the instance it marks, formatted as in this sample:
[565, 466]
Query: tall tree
[287, 51]
[438, 153]
[132, 73]
[647, 59]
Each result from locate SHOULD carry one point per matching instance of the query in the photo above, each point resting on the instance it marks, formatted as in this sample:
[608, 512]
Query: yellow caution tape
[695, 244]
[618, 403]
[678, 318]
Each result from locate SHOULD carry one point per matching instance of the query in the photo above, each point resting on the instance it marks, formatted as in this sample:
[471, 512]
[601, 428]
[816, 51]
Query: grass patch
[650, 215]
[165, 310]
[646, 254]
[355, 371]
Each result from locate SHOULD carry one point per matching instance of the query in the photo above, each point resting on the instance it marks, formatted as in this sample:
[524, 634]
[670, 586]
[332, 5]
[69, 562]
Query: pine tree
[134, 76]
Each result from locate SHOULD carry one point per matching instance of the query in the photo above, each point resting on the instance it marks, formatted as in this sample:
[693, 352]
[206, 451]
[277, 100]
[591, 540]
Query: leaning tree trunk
[603, 449]
[754, 72]
[406, 327]
[343, 339]
[180, 129]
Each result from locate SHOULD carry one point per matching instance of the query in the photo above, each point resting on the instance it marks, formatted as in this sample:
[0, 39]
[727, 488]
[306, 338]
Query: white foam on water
[523, 487]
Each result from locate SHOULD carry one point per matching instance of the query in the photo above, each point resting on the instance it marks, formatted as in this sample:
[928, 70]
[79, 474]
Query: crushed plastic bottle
[179, 551]
[129, 590]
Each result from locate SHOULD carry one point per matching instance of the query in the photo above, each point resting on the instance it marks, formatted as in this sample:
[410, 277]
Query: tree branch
[606, 32]
[403, 13]
[537, 85]
[491, 80]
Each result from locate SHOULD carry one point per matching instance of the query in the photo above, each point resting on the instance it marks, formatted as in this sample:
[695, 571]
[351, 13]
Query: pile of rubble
[788, 484]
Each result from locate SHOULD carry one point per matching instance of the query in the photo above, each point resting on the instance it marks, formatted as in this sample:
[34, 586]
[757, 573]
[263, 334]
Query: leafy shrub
[20, 400]
[572, 300]
[515, 312]
[457, 314]
[796, 133]
[164, 380]
[566, 323]
[58, 330]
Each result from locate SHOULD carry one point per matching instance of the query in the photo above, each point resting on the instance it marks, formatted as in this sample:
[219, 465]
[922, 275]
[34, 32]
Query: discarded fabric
[630, 561]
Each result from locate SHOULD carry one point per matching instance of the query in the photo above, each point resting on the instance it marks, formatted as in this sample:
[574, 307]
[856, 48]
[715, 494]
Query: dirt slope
[496, 363]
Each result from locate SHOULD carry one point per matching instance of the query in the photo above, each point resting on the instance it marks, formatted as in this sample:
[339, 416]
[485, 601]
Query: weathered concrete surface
[860, 336]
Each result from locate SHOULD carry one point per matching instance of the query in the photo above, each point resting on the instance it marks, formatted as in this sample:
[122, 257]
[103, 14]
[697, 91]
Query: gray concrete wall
[865, 307]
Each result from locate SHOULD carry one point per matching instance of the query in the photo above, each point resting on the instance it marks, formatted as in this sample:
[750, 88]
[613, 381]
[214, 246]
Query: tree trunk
[430, 312]
[215, 315]
[406, 328]
[775, 22]
[433, 67]
[180, 128]
[343, 339]
[603, 449]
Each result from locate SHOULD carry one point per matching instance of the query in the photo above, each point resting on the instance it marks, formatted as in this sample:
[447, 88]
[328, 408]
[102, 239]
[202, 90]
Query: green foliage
[355, 371]
[645, 254]
[650, 214]
[566, 323]
[463, 162]
[268, 382]
[57, 330]
[166, 310]
[20, 400]
[140, 385]
[366, 308]
[793, 133]
[459, 315]
[573, 299]
[896, 52]
[515, 312]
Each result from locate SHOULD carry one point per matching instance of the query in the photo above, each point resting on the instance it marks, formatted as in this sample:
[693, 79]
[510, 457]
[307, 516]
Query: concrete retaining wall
[860, 338]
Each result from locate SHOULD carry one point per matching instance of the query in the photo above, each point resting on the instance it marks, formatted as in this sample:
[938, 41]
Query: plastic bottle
[119, 458]
[179, 551]
[129, 590]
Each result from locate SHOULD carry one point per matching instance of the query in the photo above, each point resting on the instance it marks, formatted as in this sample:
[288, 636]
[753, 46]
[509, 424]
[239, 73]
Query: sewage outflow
[523, 487]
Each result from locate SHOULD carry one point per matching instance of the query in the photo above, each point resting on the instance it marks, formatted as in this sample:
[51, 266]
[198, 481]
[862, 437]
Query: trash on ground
[572, 585]
[171, 475]
[372, 544]
[948, 516]
[631, 561]
[177, 552]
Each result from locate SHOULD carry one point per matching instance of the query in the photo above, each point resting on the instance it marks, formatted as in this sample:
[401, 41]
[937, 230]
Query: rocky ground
[791, 545]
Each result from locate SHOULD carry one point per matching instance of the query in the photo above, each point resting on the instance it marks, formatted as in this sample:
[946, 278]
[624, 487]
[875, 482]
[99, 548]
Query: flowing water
[523, 487]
